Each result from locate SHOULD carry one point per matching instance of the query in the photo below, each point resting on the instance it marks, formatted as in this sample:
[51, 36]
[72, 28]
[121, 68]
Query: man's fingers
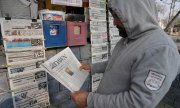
[72, 94]
[85, 67]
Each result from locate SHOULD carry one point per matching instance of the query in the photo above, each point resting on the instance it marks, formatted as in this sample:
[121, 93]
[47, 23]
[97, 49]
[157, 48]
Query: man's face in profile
[117, 22]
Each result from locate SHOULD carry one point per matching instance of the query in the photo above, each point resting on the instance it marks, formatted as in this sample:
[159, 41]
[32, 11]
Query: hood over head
[137, 16]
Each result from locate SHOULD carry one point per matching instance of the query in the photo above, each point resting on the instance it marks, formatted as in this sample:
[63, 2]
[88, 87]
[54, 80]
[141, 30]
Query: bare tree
[161, 8]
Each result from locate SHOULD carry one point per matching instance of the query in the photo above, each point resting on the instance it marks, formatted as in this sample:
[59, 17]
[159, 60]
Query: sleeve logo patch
[154, 80]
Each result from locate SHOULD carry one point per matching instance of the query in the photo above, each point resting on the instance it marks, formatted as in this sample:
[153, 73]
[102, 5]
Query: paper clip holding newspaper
[64, 67]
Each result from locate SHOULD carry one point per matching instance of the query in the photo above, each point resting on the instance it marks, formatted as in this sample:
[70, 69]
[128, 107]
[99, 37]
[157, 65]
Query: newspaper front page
[64, 67]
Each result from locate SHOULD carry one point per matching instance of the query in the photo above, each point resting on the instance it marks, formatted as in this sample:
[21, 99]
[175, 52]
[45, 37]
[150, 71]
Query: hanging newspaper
[24, 28]
[115, 39]
[96, 78]
[77, 3]
[101, 57]
[64, 67]
[98, 26]
[19, 35]
[101, 48]
[114, 35]
[24, 68]
[113, 31]
[97, 14]
[98, 37]
[35, 96]
[26, 80]
[17, 57]
[60, 2]
[97, 4]
[21, 44]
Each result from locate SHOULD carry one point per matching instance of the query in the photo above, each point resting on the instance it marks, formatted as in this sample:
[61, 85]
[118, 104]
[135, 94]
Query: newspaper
[22, 28]
[100, 48]
[24, 68]
[26, 80]
[35, 96]
[96, 78]
[21, 34]
[14, 44]
[64, 67]
[97, 14]
[100, 57]
[21, 56]
[98, 26]
[59, 2]
[97, 4]
[113, 31]
[98, 37]
[77, 3]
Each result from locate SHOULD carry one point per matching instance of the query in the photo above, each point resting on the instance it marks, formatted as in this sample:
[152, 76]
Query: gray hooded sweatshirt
[142, 66]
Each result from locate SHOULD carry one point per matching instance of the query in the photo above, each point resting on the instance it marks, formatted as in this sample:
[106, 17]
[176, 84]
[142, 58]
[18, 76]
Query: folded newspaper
[64, 67]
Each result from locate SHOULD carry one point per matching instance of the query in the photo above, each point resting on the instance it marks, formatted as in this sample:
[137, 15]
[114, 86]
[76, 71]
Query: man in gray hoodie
[143, 64]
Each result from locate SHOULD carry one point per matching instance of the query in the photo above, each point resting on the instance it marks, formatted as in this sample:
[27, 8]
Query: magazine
[64, 67]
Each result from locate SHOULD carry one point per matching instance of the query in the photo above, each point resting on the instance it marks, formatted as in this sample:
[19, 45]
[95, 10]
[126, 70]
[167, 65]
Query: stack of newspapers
[65, 68]
[98, 31]
[24, 49]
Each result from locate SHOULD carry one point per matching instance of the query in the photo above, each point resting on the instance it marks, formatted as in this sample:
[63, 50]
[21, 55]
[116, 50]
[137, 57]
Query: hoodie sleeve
[151, 77]
[99, 67]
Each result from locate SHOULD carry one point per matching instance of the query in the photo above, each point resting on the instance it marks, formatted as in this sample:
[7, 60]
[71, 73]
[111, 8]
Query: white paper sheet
[64, 67]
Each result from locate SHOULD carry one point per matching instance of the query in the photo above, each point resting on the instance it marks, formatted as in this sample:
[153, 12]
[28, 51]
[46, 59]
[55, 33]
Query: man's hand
[85, 67]
[80, 98]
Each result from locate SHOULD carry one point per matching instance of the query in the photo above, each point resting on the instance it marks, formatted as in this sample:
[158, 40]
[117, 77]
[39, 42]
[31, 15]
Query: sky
[167, 4]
